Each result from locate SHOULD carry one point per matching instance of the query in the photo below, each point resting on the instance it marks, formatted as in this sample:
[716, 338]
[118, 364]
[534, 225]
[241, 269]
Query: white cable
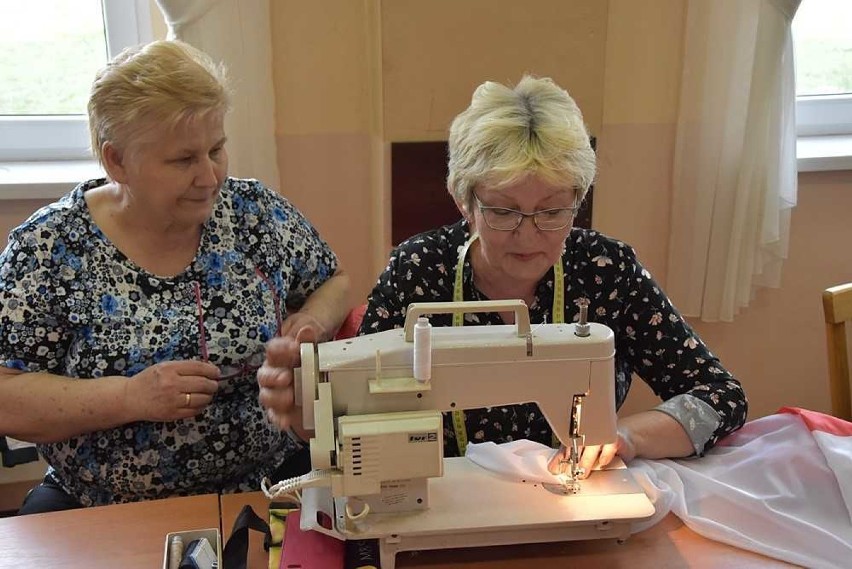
[290, 488]
[363, 513]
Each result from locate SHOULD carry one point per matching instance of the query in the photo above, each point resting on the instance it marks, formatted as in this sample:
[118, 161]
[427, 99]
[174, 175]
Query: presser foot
[568, 467]
[570, 482]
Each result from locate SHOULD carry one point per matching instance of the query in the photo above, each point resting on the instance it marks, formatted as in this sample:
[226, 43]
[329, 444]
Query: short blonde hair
[506, 134]
[163, 82]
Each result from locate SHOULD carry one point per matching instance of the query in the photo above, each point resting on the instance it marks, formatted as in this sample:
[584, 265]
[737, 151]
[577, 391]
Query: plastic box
[212, 535]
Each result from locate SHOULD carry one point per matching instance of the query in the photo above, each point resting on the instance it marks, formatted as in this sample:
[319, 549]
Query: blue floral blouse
[72, 304]
[652, 339]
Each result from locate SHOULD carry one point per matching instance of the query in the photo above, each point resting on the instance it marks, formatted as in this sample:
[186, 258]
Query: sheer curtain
[237, 33]
[734, 177]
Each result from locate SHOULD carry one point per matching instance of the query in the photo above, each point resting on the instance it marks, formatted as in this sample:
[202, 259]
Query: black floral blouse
[652, 339]
[72, 304]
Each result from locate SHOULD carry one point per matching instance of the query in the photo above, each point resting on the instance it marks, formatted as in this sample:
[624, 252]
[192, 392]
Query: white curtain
[237, 33]
[734, 177]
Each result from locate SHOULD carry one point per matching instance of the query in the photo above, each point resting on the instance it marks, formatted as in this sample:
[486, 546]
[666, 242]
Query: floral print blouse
[72, 304]
[652, 338]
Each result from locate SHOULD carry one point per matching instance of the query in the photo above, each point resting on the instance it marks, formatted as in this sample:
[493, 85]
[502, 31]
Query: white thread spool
[422, 350]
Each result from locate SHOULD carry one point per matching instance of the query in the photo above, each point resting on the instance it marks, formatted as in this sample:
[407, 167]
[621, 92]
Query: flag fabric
[780, 486]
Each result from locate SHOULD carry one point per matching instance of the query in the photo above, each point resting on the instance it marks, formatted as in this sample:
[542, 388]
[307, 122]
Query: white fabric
[838, 455]
[237, 33]
[774, 487]
[735, 176]
[518, 460]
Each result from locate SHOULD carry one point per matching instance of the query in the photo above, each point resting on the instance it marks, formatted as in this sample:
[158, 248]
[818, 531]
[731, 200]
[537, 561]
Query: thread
[175, 552]
[422, 350]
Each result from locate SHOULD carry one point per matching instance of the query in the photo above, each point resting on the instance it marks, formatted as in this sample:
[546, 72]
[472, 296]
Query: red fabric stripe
[821, 422]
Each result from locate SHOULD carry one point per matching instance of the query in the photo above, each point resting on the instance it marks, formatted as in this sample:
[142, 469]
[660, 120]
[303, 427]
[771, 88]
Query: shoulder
[51, 241]
[56, 219]
[442, 243]
[247, 195]
[590, 247]
[252, 202]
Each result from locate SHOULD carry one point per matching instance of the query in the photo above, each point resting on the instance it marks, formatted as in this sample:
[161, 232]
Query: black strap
[13, 457]
[235, 553]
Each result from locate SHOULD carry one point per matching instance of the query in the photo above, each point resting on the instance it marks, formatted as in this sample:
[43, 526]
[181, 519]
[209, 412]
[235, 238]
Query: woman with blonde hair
[520, 165]
[135, 310]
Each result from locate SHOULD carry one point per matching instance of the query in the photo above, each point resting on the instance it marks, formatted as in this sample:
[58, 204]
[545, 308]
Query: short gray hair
[505, 134]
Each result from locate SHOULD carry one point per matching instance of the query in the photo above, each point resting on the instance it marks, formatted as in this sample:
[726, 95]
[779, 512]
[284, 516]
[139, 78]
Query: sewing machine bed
[471, 507]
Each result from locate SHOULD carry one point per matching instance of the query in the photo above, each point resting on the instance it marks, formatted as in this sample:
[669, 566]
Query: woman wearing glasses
[135, 310]
[520, 164]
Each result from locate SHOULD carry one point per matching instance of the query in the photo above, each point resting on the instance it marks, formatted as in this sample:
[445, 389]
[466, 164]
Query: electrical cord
[290, 489]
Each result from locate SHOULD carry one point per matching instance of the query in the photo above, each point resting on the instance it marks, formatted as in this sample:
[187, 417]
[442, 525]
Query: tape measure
[458, 320]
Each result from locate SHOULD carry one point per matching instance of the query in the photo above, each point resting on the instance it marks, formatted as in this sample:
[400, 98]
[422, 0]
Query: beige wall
[352, 76]
[435, 54]
[328, 123]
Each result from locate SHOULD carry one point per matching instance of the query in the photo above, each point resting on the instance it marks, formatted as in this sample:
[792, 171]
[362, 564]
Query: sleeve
[668, 355]
[301, 260]
[33, 336]
[386, 304]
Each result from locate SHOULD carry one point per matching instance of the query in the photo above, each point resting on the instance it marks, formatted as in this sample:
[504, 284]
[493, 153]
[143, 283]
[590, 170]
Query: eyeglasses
[252, 363]
[505, 219]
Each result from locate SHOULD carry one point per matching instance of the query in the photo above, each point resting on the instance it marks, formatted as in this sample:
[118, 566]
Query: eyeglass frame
[575, 209]
[249, 365]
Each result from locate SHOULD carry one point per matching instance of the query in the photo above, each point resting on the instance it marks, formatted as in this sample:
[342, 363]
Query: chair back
[352, 322]
[837, 305]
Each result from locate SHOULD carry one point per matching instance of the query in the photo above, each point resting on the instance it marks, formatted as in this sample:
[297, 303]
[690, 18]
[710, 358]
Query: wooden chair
[837, 305]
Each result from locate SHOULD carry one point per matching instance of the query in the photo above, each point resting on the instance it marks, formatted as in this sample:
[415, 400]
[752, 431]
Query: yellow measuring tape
[458, 320]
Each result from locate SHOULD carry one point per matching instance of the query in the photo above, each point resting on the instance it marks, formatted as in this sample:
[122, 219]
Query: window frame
[66, 137]
[824, 115]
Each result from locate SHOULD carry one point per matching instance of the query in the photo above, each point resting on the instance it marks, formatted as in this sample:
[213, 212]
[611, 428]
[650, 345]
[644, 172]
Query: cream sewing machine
[375, 403]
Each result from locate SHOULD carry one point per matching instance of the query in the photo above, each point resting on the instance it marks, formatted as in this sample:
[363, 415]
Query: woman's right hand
[276, 378]
[170, 391]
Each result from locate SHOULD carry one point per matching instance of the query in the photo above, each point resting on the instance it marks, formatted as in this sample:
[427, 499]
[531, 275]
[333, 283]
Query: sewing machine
[375, 403]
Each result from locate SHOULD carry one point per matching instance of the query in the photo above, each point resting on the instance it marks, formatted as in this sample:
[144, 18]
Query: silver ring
[189, 399]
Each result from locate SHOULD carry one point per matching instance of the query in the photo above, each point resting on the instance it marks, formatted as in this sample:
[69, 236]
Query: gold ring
[188, 399]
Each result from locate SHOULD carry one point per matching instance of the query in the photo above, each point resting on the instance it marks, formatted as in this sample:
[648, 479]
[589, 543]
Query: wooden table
[669, 544]
[125, 535]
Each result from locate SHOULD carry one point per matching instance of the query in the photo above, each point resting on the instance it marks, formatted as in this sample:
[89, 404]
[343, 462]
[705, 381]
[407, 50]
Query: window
[822, 36]
[49, 52]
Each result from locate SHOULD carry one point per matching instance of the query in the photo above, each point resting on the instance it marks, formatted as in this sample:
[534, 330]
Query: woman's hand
[275, 377]
[602, 455]
[597, 455]
[170, 391]
[303, 327]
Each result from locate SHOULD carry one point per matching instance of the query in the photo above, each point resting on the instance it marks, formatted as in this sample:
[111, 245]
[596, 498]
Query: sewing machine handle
[417, 309]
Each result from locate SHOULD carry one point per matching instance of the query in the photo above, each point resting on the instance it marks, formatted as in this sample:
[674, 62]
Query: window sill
[44, 180]
[51, 180]
[821, 153]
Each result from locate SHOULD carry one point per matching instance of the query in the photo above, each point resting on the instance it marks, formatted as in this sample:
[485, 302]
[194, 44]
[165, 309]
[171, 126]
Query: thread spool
[175, 552]
[422, 350]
